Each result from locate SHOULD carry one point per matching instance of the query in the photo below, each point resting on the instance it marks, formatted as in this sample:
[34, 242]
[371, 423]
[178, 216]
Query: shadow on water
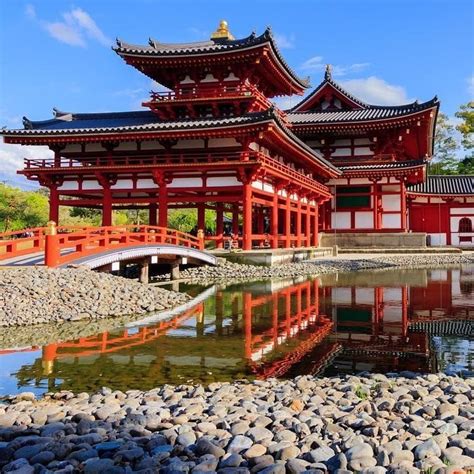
[383, 321]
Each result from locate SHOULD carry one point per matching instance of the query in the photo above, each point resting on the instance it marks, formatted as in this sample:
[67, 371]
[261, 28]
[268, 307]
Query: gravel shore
[366, 424]
[37, 295]
[228, 271]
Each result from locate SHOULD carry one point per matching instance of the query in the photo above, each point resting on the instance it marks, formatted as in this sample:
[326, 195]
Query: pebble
[246, 427]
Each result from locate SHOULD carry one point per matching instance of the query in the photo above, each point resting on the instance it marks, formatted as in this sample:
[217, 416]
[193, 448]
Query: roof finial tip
[328, 72]
[222, 31]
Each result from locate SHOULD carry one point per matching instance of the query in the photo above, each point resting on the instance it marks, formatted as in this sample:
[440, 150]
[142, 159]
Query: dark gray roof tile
[449, 185]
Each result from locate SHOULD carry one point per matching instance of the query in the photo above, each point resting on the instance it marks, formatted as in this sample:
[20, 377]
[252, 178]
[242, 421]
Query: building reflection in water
[333, 324]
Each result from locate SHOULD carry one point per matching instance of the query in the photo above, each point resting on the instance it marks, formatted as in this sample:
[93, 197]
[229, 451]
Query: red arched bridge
[60, 246]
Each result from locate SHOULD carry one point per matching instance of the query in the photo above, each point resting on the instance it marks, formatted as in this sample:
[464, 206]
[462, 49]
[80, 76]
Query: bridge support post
[144, 271]
[175, 270]
[51, 246]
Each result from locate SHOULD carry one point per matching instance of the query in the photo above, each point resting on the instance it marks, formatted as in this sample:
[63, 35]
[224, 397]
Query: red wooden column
[298, 222]
[274, 229]
[163, 205]
[152, 211]
[315, 242]
[219, 224]
[201, 216]
[54, 204]
[247, 316]
[403, 205]
[288, 219]
[107, 207]
[247, 216]
[308, 224]
[376, 198]
[235, 219]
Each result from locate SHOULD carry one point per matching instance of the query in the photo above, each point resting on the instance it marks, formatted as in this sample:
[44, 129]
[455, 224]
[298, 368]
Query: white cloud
[11, 157]
[376, 91]
[64, 32]
[285, 103]
[30, 11]
[316, 64]
[76, 25]
[470, 86]
[284, 41]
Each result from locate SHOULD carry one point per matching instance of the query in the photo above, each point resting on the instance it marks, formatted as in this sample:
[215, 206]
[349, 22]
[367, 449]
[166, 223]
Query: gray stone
[98, 466]
[232, 460]
[239, 443]
[204, 446]
[362, 450]
[427, 449]
[321, 454]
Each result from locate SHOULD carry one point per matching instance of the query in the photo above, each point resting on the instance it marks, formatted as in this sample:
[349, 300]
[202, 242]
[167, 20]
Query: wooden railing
[174, 159]
[65, 244]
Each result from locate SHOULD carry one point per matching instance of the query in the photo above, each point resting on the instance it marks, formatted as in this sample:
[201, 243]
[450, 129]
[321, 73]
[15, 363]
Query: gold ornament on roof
[222, 31]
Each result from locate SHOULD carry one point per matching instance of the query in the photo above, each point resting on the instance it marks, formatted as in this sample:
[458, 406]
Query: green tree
[445, 147]
[466, 129]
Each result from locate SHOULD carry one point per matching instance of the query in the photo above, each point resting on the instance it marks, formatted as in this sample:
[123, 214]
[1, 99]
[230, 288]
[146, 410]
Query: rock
[255, 451]
[231, 460]
[288, 453]
[427, 449]
[98, 466]
[321, 454]
[19, 466]
[296, 466]
[239, 443]
[362, 450]
[204, 446]
[187, 438]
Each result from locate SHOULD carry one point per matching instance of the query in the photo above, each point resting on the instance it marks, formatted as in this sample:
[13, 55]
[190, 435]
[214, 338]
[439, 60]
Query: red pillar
[288, 220]
[107, 207]
[316, 226]
[152, 210]
[201, 216]
[53, 204]
[274, 229]
[235, 220]
[298, 222]
[247, 217]
[163, 206]
[403, 206]
[247, 310]
[220, 224]
[308, 225]
[376, 206]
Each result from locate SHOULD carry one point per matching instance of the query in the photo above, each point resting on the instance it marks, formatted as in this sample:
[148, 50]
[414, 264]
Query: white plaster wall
[94, 147]
[363, 151]
[146, 184]
[183, 144]
[91, 184]
[392, 314]
[364, 295]
[69, 186]
[268, 187]
[123, 184]
[127, 146]
[392, 295]
[364, 220]
[342, 152]
[223, 181]
[437, 239]
[152, 145]
[341, 220]
[439, 275]
[391, 221]
[342, 142]
[464, 211]
[186, 183]
[362, 141]
[455, 221]
[360, 181]
[390, 188]
[72, 148]
[225, 142]
[342, 295]
[391, 202]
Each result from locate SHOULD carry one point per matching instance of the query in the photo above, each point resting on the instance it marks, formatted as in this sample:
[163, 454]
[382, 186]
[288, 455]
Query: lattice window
[465, 225]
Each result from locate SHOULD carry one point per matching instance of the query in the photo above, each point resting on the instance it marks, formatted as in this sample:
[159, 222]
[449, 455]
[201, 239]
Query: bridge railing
[65, 244]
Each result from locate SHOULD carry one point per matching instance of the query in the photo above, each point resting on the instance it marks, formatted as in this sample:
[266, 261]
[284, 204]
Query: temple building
[332, 167]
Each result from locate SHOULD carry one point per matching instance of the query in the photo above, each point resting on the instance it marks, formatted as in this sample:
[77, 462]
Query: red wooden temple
[214, 140]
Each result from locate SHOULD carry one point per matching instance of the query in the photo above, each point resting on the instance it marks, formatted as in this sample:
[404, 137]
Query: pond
[378, 321]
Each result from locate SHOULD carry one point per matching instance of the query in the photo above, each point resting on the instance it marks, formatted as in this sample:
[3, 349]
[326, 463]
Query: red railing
[174, 159]
[205, 92]
[65, 244]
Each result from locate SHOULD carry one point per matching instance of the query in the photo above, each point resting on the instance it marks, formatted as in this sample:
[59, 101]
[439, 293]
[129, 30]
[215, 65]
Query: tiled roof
[122, 122]
[384, 166]
[449, 185]
[71, 123]
[370, 112]
[157, 49]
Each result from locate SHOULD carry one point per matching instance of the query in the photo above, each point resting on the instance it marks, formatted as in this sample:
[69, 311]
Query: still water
[382, 321]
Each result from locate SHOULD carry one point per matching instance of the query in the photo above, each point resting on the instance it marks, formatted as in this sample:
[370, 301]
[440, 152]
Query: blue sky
[56, 53]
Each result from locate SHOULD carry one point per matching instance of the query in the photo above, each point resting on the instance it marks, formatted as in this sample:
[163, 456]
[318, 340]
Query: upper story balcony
[207, 100]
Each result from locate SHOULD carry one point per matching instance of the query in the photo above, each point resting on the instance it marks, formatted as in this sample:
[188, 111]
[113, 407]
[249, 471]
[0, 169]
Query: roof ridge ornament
[328, 72]
[222, 32]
